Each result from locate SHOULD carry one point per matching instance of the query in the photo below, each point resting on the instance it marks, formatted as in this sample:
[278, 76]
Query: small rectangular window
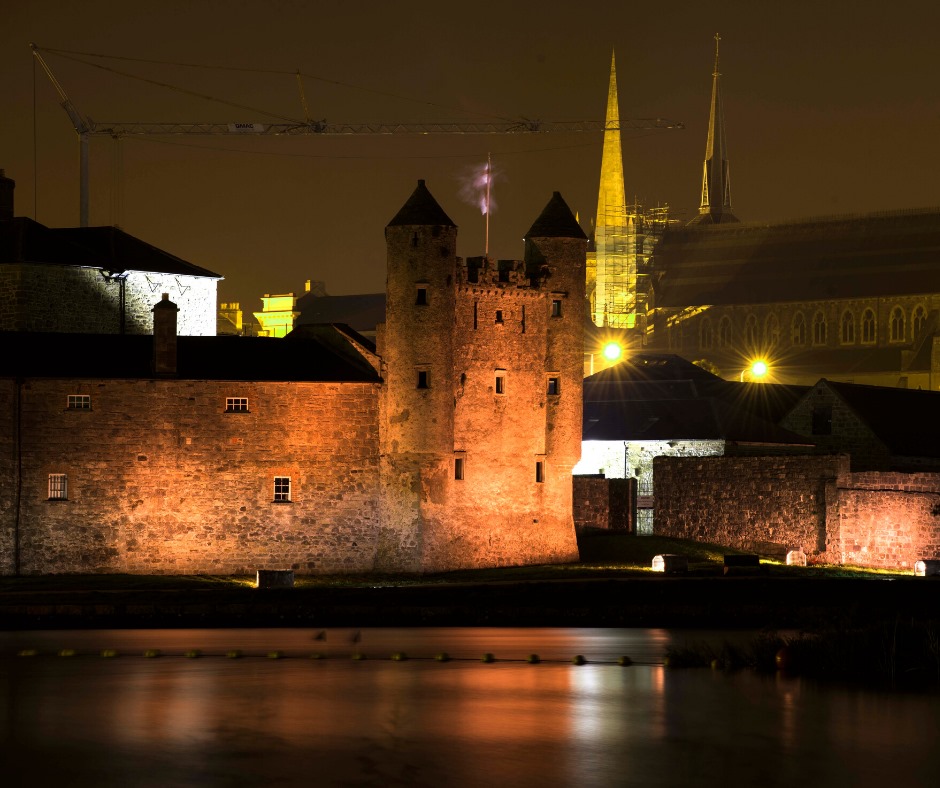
[539, 471]
[79, 402]
[556, 307]
[500, 381]
[282, 488]
[553, 386]
[236, 404]
[58, 487]
[422, 298]
[475, 309]
[424, 379]
[499, 315]
[523, 319]
[458, 469]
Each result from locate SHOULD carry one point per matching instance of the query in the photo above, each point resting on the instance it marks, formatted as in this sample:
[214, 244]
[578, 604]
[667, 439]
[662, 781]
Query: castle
[449, 444]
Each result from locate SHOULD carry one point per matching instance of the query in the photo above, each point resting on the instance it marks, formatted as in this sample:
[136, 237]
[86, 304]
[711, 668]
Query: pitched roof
[421, 209]
[24, 241]
[905, 420]
[660, 396]
[556, 221]
[313, 356]
[883, 254]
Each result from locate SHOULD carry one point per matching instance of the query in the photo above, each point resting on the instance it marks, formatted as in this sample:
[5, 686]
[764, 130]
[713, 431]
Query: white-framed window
[554, 385]
[500, 382]
[282, 489]
[236, 404]
[79, 402]
[58, 487]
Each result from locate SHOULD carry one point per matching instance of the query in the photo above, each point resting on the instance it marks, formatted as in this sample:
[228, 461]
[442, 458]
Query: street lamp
[757, 371]
[612, 351]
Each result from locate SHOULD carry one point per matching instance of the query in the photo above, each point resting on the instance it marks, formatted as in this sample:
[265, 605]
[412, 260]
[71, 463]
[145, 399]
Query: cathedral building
[851, 298]
[448, 444]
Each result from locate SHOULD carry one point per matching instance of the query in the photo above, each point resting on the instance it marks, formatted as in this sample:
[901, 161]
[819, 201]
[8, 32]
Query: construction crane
[86, 128]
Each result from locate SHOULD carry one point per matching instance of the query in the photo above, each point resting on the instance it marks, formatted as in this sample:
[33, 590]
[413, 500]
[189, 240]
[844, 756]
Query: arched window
[819, 329]
[771, 330]
[750, 332]
[918, 319]
[847, 328]
[799, 329]
[724, 332]
[897, 324]
[869, 327]
[705, 334]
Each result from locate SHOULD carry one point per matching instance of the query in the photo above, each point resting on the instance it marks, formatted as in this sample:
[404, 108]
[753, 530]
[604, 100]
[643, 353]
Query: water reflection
[214, 721]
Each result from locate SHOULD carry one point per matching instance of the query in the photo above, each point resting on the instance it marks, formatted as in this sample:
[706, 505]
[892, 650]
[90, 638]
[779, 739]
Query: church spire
[715, 207]
[614, 291]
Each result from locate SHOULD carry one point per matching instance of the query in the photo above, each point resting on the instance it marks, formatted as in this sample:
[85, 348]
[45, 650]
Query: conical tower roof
[715, 207]
[421, 209]
[556, 221]
[611, 199]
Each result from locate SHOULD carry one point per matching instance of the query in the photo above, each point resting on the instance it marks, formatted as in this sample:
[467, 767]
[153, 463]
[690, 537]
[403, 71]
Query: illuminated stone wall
[738, 501]
[162, 480]
[80, 300]
[814, 504]
[8, 475]
[605, 503]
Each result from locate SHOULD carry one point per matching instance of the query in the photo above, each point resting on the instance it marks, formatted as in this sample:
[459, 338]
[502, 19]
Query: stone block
[927, 567]
[275, 578]
[671, 564]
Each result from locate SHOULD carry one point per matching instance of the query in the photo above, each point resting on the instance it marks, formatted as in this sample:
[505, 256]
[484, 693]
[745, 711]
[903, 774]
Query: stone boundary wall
[604, 503]
[883, 520]
[739, 501]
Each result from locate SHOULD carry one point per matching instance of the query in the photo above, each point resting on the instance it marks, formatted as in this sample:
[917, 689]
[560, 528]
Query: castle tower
[417, 349]
[715, 207]
[612, 263]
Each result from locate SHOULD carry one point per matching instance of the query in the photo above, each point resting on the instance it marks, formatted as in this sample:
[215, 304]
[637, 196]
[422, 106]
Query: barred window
[236, 404]
[282, 488]
[79, 402]
[58, 487]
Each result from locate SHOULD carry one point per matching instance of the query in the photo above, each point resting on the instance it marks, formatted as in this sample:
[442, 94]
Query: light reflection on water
[213, 721]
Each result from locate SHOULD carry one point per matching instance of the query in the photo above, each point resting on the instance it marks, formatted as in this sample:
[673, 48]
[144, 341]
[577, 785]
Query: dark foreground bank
[756, 602]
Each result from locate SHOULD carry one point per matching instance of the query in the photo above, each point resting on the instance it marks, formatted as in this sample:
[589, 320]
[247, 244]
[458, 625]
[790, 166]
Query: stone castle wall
[809, 503]
[161, 480]
[83, 301]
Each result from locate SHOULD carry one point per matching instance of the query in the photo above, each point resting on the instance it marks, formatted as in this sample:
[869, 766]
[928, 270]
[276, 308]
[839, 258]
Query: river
[257, 720]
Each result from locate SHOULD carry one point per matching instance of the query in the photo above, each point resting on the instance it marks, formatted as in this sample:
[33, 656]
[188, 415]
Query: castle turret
[417, 348]
[556, 246]
[715, 207]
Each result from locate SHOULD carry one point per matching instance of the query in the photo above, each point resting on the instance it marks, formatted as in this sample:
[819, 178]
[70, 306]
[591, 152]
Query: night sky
[831, 107]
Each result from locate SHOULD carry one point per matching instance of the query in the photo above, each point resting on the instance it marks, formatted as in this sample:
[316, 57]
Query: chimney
[7, 185]
[164, 337]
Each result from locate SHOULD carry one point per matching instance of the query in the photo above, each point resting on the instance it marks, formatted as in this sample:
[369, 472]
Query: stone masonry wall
[890, 520]
[604, 503]
[8, 476]
[80, 300]
[740, 501]
[874, 519]
[162, 480]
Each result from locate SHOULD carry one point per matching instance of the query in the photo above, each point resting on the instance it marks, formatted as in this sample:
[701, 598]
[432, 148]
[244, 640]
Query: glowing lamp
[927, 568]
[796, 558]
[759, 369]
[612, 351]
[670, 564]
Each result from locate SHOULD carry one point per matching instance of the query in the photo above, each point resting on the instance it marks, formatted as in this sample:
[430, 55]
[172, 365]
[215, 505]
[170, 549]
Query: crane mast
[86, 128]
